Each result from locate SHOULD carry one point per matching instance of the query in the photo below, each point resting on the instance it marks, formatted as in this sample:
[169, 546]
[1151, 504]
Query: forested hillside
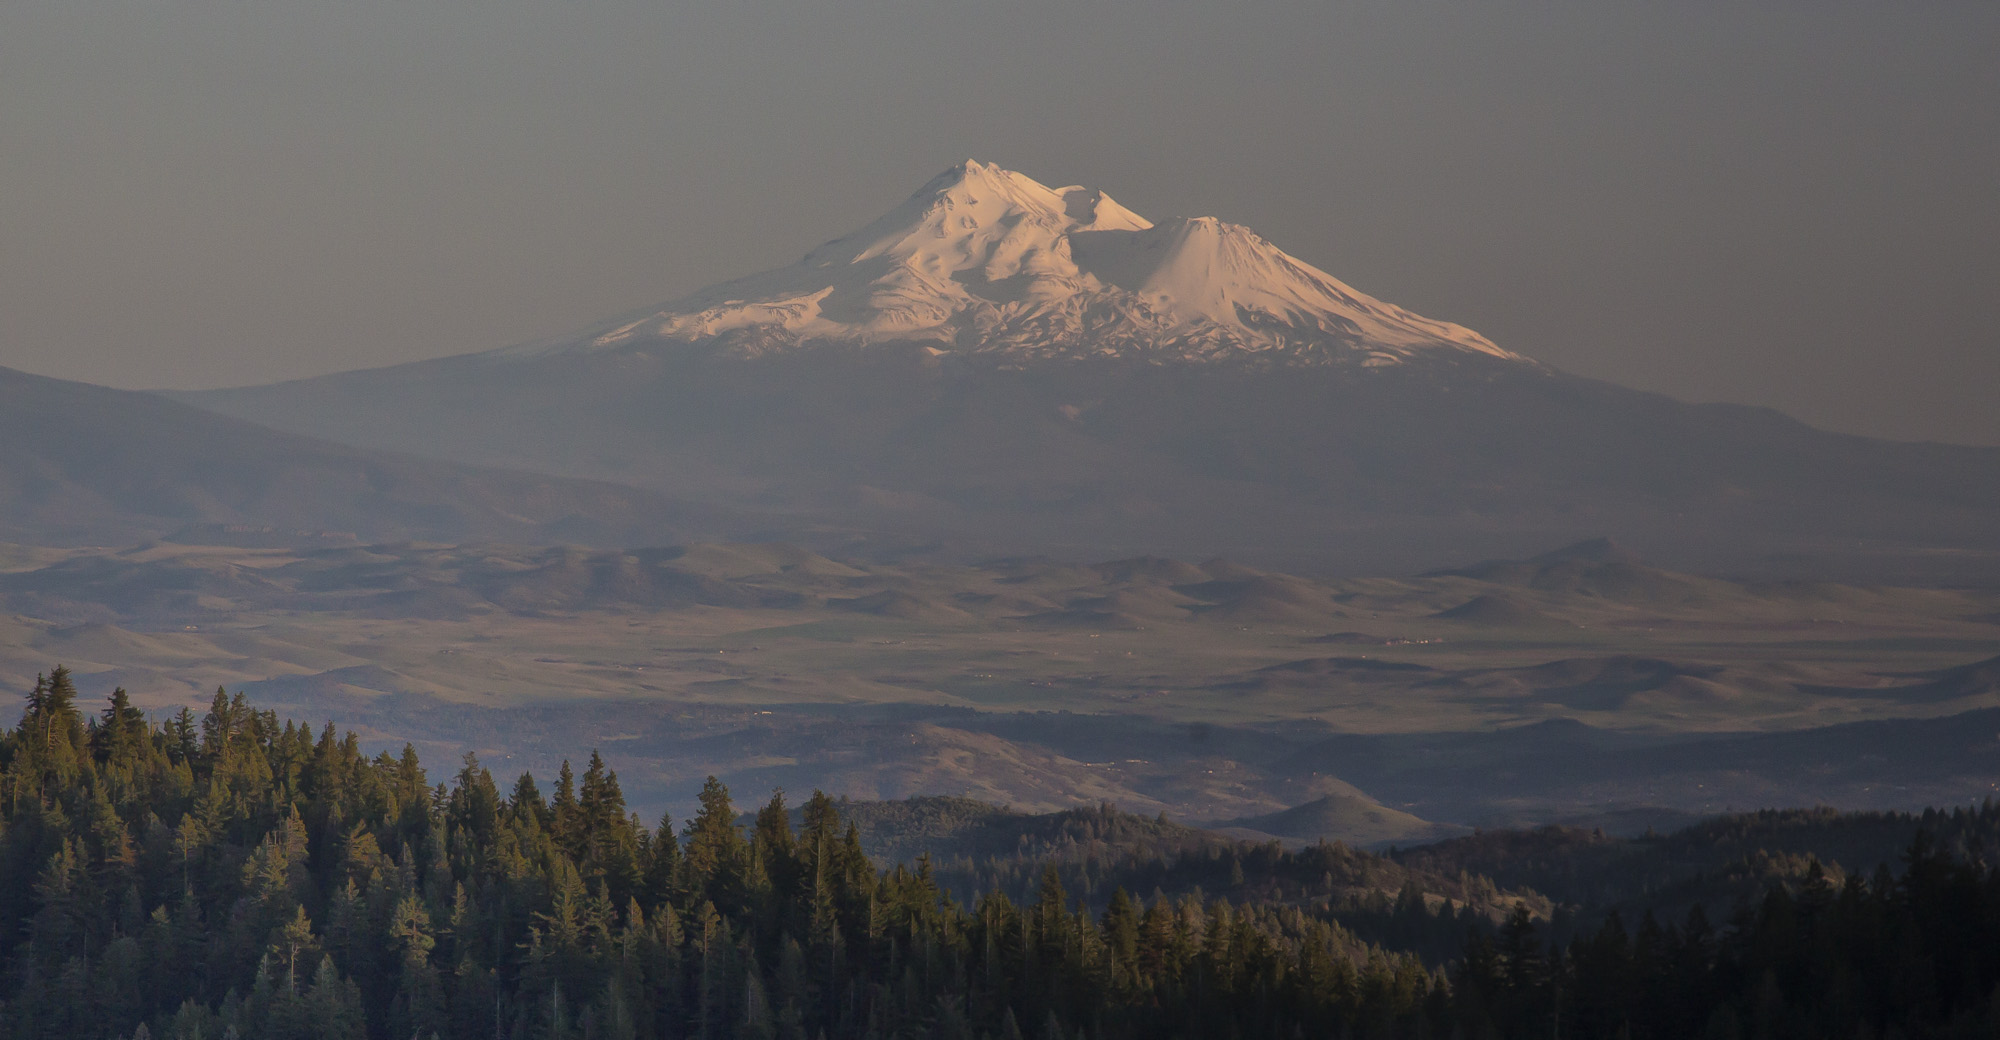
[974, 848]
[236, 875]
[1716, 862]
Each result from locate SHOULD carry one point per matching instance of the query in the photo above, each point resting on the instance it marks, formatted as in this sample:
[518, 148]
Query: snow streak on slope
[986, 261]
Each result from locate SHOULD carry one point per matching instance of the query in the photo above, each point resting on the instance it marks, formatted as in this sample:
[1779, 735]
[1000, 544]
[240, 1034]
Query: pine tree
[565, 815]
[120, 739]
[714, 851]
[51, 734]
[296, 944]
[419, 1003]
[526, 802]
[1121, 937]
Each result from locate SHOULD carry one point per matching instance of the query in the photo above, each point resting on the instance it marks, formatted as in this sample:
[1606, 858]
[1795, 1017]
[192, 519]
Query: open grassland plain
[1582, 685]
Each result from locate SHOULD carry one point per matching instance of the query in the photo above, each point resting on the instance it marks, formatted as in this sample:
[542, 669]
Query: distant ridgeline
[230, 875]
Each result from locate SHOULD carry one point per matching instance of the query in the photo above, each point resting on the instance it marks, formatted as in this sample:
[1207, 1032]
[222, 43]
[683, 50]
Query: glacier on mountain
[984, 261]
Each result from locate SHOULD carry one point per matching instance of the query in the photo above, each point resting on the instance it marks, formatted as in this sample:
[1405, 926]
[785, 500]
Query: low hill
[975, 846]
[966, 828]
[1349, 818]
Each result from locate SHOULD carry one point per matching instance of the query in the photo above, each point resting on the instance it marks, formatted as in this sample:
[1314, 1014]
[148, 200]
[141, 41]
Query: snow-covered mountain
[995, 366]
[987, 261]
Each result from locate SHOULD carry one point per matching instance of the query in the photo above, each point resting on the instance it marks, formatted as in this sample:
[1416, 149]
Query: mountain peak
[973, 175]
[971, 186]
[984, 261]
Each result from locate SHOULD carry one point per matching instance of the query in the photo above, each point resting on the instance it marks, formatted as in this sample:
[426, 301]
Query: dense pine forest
[232, 874]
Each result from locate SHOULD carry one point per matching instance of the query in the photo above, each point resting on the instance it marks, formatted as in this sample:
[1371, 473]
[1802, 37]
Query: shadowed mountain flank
[1596, 567]
[1497, 609]
[82, 464]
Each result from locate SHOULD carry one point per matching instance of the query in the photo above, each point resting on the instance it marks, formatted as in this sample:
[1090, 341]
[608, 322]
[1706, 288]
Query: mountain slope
[1002, 367]
[82, 464]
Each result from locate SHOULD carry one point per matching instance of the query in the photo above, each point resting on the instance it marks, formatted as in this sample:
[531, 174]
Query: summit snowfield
[986, 261]
[998, 367]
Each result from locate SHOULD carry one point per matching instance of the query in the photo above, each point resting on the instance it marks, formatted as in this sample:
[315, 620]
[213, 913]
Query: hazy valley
[1584, 684]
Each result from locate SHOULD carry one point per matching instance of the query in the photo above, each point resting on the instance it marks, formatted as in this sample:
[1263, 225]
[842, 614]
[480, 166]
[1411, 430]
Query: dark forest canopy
[230, 873]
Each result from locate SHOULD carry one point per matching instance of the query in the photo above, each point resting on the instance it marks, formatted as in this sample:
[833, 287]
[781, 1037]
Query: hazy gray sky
[1791, 204]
